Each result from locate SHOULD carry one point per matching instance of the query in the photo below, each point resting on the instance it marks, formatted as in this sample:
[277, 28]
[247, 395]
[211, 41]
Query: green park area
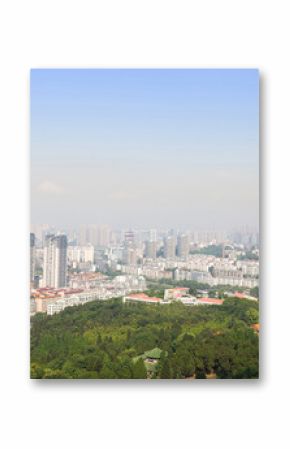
[112, 340]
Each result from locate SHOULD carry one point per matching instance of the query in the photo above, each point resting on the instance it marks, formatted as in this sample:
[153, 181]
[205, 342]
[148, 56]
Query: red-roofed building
[209, 301]
[239, 295]
[48, 292]
[141, 297]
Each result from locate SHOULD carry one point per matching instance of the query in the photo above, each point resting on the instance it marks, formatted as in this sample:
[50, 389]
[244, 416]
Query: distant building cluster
[178, 294]
[88, 257]
[50, 301]
[201, 268]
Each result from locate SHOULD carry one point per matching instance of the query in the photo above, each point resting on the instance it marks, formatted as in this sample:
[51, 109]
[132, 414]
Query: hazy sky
[145, 147]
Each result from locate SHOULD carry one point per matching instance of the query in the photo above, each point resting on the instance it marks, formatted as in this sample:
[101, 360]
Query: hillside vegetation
[101, 340]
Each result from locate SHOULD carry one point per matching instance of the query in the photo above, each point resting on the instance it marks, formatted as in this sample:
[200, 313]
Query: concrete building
[40, 231]
[103, 235]
[89, 253]
[175, 293]
[74, 254]
[169, 247]
[83, 237]
[94, 235]
[150, 249]
[55, 261]
[183, 246]
[129, 238]
[130, 256]
[153, 235]
[78, 254]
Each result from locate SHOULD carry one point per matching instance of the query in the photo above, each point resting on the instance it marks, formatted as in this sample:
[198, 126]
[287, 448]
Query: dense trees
[104, 339]
[139, 371]
[210, 250]
[255, 292]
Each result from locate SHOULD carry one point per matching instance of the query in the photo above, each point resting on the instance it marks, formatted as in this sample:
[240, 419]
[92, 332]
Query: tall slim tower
[150, 249]
[169, 247]
[153, 235]
[129, 252]
[103, 235]
[183, 246]
[55, 261]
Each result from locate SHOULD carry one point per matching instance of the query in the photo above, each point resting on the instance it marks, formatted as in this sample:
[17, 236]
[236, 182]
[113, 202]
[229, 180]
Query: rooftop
[143, 297]
[153, 353]
[211, 301]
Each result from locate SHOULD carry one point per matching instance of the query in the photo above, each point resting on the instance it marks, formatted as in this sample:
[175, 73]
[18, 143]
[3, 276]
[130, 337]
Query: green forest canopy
[100, 340]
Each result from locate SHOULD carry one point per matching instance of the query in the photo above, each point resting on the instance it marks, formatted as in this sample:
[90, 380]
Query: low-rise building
[209, 301]
[175, 293]
[141, 297]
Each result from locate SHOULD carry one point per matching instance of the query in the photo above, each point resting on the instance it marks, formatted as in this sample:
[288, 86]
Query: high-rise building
[74, 254]
[55, 261]
[32, 256]
[129, 238]
[130, 248]
[103, 235]
[183, 245]
[169, 247]
[129, 256]
[83, 236]
[153, 235]
[89, 253]
[40, 231]
[150, 249]
[94, 235]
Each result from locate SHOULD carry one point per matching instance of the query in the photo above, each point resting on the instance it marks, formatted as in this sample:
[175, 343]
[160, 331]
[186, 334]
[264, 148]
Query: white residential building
[55, 261]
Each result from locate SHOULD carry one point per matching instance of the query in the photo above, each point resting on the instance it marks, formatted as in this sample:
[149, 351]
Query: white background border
[216, 414]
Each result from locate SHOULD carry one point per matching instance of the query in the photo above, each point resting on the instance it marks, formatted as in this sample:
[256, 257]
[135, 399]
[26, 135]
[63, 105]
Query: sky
[145, 147]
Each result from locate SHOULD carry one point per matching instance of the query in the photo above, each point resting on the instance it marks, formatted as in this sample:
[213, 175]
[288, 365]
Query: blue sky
[145, 147]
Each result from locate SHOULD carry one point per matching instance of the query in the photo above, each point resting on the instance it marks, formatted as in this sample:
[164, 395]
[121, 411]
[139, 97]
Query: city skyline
[123, 146]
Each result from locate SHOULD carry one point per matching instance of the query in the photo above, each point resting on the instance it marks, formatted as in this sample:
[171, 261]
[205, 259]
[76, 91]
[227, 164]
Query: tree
[252, 315]
[139, 370]
[102, 339]
[107, 373]
[200, 373]
[166, 370]
[125, 368]
[54, 374]
[99, 339]
[36, 371]
[255, 292]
